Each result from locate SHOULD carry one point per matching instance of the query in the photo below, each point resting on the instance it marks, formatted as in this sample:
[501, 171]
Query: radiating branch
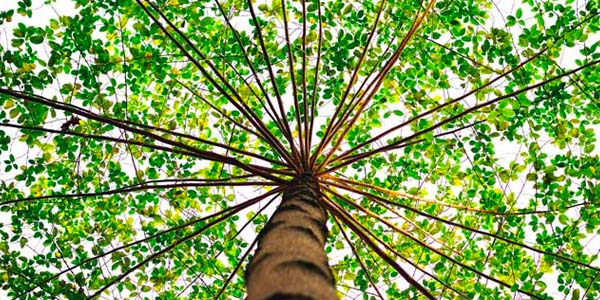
[374, 88]
[357, 157]
[333, 126]
[287, 132]
[306, 149]
[482, 87]
[313, 104]
[220, 111]
[435, 250]
[229, 211]
[360, 261]
[161, 252]
[355, 227]
[394, 227]
[151, 146]
[448, 120]
[100, 137]
[138, 187]
[401, 194]
[301, 154]
[461, 226]
[266, 173]
[238, 101]
[248, 222]
[271, 109]
[237, 267]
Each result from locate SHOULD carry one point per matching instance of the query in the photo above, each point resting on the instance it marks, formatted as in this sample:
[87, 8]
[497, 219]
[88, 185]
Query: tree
[300, 150]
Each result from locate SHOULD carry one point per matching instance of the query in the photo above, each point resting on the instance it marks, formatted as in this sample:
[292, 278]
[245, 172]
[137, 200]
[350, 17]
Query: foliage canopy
[143, 144]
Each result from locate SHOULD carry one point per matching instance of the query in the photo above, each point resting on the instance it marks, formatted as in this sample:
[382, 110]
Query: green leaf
[18, 33]
[37, 39]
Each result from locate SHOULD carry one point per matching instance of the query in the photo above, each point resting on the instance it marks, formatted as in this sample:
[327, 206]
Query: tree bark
[290, 262]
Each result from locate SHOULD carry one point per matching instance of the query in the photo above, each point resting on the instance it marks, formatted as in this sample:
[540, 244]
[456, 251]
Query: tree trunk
[290, 261]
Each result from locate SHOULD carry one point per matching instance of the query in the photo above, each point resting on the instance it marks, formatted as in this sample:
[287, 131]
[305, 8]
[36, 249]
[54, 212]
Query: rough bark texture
[290, 262]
